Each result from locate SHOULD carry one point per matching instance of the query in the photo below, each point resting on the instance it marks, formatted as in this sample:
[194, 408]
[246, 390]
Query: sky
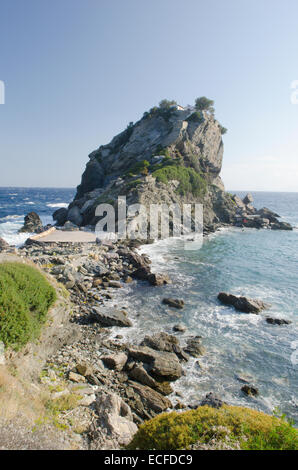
[76, 72]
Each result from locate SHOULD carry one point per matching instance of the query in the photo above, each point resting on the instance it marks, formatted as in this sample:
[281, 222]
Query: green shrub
[137, 168]
[197, 116]
[223, 130]
[25, 298]
[252, 429]
[190, 181]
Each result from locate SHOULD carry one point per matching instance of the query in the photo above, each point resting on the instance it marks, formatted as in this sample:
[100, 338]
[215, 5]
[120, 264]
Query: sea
[240, 347]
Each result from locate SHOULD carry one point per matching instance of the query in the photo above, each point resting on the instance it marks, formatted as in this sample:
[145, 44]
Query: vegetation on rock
[25, 298]
[251, 429]
[190, 181]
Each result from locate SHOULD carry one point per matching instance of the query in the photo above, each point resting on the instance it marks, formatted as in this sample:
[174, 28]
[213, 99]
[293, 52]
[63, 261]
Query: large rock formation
[169, 156]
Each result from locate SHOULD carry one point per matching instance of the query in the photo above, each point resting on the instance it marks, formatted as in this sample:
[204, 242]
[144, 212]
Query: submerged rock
[250, 390]
[179, 328]
[212, 400]
[243, 304]
[176, 303]
[194, 347]
[277, 321]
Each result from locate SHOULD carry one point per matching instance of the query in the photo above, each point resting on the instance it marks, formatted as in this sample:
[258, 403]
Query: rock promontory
[172, 155]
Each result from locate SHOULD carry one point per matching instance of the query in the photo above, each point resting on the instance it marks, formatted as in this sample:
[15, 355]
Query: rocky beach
[114, 382]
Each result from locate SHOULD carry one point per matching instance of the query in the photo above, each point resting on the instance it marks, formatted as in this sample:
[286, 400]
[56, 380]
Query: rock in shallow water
[250, 390]
[277, 321]
[32, 223]
[212, 400]
[243, 304]
[176, 303]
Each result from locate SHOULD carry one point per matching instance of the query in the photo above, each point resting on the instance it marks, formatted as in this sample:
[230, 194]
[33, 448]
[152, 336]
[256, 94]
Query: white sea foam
[58, 204]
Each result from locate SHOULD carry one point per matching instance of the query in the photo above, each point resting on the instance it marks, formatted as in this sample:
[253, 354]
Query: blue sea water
[15, 203]
[258, 263]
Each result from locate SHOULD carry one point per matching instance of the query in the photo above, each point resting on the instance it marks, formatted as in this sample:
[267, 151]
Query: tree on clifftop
[166, 104]
[204, 104]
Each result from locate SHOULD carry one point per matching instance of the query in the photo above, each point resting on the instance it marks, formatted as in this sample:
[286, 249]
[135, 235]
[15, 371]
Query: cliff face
[169, 156]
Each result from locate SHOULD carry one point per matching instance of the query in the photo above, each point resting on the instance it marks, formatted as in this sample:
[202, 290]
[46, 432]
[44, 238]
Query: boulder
[243, 304]
[142, 273]
[3, 245]
[32, 223]
[277, 321]
[248, 199]
[110, 318]
[160, 342]
[194, 347]
[250, 390]
[159, 279]
[74, 215]
[151, 399]
[239, 203]
[139, 374]
[162, 365]
[115, 361]
[60, 216]
[165, 342]
[84, 369]
[116, 417]
[115, 284]
[179, 328]
[176, 303]
[78, 378]
[268, 214]
[212, 400]
[166, 367]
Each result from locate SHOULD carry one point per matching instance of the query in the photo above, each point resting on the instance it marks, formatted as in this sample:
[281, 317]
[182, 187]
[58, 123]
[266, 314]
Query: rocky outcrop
[32, 223]
[247, 216]
[137, 161]
[170, 156]
[3, 245]
[243, 304]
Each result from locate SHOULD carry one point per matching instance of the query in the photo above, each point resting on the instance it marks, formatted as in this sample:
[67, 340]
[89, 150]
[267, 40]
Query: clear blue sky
[77, 71]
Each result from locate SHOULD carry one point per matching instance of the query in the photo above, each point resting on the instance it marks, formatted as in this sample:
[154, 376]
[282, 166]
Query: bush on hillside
[252, 429]
[25, 298]
[190, 181]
